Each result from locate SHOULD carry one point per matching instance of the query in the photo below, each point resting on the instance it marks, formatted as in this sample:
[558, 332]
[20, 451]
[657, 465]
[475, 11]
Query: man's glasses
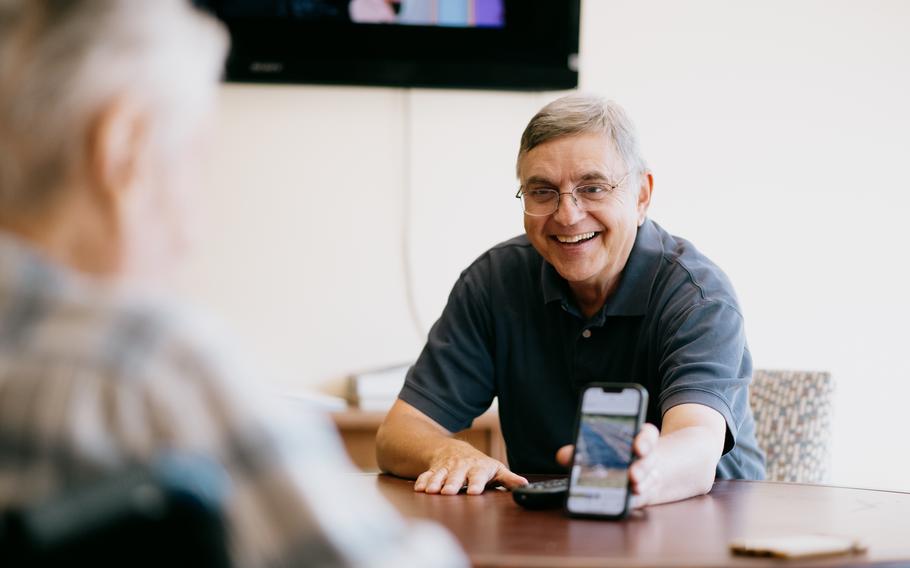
[544, 201]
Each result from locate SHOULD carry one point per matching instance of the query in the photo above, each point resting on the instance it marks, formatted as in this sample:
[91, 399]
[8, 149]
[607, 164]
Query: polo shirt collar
[554, 286]
[631, 296]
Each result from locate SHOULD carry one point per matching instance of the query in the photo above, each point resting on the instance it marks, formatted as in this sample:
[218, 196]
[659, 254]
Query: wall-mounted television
[487, 44]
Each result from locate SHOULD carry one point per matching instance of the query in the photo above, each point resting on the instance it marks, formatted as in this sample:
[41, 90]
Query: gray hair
[581, 113]
[61, 62]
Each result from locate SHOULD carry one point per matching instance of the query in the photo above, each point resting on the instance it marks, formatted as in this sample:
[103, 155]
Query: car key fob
[549, 494]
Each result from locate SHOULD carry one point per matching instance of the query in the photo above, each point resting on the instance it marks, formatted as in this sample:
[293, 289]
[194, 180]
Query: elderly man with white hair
[103, 113]
[594, 291]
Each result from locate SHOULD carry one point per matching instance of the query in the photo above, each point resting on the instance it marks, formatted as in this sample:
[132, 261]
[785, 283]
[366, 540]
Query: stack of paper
[376, 389]
[312, 400]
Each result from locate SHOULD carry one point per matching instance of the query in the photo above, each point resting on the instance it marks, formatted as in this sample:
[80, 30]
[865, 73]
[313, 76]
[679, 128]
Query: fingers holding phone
[644, 473]
[564, 455]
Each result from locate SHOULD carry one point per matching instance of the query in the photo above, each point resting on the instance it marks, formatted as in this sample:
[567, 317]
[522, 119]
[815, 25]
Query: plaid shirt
[92, 380]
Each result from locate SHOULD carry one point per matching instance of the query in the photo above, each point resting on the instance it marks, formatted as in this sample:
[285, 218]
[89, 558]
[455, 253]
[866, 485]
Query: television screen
[497, 44]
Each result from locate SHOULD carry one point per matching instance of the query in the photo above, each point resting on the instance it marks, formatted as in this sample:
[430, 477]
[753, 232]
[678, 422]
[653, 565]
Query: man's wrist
[452, 448]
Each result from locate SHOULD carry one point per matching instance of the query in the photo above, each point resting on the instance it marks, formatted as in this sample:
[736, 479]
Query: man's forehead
[555, 172]
[592, 175]
[580, 157]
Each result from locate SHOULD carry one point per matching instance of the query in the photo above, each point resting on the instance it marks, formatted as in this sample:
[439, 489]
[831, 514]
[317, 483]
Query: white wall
[778, 132]
[302, 249]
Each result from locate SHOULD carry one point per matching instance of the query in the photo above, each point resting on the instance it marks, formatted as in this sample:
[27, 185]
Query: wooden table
[496, 532]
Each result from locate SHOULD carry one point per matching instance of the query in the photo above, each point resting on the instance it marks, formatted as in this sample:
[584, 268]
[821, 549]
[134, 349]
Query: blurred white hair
[581, 113]
[62, 61]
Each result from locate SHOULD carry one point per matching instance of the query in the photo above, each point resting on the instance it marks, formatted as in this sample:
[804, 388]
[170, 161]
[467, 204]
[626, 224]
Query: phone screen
[609, 419]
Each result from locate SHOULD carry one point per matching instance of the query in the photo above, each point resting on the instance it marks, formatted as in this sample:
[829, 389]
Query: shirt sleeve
[295, 499]
[705, 360]
[300, 502]
[452, 381]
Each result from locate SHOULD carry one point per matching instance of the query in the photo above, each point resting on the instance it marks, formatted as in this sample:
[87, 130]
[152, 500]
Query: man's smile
[575, 239]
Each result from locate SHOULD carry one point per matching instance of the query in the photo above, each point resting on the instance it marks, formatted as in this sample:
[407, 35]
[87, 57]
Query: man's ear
[116, 140]
[644, 196]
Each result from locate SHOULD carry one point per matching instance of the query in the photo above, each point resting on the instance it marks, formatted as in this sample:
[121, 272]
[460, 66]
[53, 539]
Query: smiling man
[593, 292]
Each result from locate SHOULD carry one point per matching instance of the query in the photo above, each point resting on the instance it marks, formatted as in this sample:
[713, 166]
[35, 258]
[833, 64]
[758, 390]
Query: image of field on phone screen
[600, 471]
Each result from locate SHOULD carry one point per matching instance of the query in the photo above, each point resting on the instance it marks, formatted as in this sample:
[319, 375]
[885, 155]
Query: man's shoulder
[54, 317]
[133, 339]
[504, 269]
[181, 336]
[686, 270]
[509, 254]
[516, 249]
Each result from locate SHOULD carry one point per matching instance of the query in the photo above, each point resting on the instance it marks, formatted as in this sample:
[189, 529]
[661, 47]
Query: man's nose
[569, 211]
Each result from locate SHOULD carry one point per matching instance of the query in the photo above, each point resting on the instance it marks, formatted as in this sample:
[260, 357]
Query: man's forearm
[688, 461]
[405, 445]
[681, 461]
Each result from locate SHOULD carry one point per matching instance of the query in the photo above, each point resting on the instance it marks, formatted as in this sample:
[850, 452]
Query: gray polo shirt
[511, 329]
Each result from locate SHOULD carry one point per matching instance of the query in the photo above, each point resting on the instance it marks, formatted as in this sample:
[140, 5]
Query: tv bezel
[536, 49]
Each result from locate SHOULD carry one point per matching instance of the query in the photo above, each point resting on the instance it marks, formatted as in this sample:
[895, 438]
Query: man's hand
[644, 473]
[459, 464]
[410, 444]
[677, 462]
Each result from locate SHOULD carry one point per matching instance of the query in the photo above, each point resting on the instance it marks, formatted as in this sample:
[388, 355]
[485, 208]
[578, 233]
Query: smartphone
[609, 417]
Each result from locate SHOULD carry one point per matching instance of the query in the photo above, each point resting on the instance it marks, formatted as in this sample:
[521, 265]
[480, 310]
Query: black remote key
[548, 494]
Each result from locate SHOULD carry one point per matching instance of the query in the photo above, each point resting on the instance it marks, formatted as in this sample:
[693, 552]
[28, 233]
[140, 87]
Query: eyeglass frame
[559, 195]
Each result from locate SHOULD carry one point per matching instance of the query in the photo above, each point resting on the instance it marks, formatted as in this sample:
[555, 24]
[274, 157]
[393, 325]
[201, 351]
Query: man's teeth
[574, 238]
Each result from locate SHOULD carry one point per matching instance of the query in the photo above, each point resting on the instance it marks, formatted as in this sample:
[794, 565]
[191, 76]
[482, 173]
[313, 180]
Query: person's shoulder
[508, 255]
[164, 339]
[516, 245]
[502, 269]
[185, 360]
[688, 271]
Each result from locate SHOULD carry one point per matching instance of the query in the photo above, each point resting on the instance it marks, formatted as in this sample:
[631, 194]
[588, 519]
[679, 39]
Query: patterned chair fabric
[793, 423]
